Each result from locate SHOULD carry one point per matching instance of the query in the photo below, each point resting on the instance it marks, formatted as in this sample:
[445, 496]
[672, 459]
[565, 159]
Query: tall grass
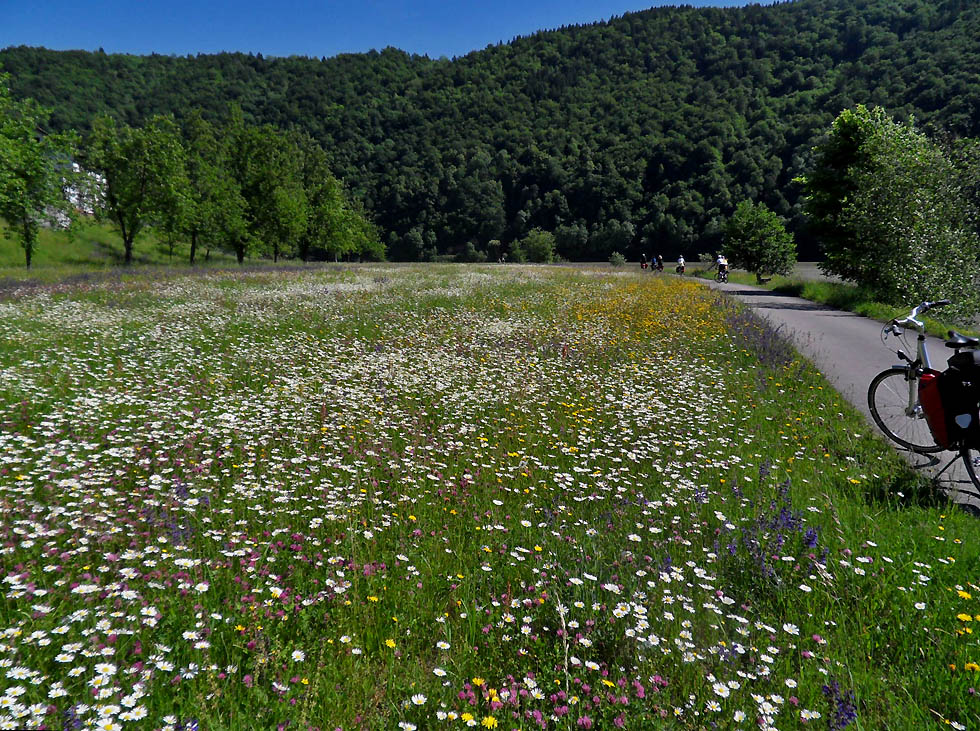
[439, 497]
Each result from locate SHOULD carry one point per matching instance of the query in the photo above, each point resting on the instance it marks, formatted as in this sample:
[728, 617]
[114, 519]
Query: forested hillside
[638, 134]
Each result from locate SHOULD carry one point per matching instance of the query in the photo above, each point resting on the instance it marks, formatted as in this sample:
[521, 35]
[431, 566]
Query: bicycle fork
[913, 369]
[912, 410]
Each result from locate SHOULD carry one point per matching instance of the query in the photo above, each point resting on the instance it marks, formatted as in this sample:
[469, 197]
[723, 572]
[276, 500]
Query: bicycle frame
[913, 368]
[921, 353]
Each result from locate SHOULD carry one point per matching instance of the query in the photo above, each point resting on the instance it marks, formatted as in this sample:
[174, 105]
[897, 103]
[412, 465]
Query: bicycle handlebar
[909, 320]
[895, 327]
[926, 306]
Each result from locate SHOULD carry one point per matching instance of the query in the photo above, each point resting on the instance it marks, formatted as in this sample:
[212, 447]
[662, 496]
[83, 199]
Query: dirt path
[847, 349]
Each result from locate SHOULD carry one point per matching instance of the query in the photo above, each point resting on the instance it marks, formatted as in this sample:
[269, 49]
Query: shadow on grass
[908, 489]
[832, 294]
[105, 254]
[915, 488]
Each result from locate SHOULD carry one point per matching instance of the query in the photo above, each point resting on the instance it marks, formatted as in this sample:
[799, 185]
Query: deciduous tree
[756, 240]
[539, 246]
[35, 170]
[145, 180]
[216, 209]
[266, 163]
[897, 214]
[328, 234]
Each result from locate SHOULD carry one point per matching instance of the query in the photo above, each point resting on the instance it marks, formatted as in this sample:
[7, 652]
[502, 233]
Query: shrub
[539, 245]
[471, 255]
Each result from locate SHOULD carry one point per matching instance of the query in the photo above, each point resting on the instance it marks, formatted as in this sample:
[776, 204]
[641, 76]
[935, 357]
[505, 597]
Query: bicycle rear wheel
[888, 401]
[971, 459]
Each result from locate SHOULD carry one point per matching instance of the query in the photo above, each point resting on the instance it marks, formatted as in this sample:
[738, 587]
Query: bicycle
[893, 395]
[722, 275]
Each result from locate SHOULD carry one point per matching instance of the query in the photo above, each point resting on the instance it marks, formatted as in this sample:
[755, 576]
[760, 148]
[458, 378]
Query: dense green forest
[638, 134]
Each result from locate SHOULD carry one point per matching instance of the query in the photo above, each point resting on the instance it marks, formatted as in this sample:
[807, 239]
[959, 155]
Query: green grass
[841, 296]
[90, 247]
[362, 497]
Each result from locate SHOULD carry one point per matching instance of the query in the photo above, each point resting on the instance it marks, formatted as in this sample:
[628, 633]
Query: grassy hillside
[91, 246]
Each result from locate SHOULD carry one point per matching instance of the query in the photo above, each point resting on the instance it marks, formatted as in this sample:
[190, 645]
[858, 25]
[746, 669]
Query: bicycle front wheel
[888, 401]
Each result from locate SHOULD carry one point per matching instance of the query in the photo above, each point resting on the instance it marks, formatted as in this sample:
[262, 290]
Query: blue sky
[295, 27]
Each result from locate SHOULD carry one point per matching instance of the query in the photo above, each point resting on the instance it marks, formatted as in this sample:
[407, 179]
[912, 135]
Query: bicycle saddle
[956, 340]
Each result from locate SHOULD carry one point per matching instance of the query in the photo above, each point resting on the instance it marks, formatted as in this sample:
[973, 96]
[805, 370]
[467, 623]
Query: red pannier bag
[931, 400]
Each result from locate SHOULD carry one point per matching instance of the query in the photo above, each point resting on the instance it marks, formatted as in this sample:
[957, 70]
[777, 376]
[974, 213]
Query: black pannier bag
[959, 390]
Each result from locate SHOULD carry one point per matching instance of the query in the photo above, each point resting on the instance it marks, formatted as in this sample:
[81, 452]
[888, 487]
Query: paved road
[847, 349]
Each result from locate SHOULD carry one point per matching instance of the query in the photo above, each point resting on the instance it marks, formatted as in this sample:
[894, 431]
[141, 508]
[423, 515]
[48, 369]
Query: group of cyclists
[657, 264]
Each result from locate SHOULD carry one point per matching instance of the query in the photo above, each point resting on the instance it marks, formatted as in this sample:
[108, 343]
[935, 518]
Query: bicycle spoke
[888, 401]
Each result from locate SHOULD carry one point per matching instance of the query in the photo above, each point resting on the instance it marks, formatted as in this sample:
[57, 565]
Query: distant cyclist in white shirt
[722, 263]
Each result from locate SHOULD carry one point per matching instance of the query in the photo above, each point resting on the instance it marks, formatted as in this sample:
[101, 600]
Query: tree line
[898, 211]
[253, 190]
[642, 133]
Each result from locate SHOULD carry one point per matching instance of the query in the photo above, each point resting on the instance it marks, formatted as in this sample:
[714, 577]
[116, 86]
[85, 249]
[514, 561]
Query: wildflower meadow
[416, 497]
